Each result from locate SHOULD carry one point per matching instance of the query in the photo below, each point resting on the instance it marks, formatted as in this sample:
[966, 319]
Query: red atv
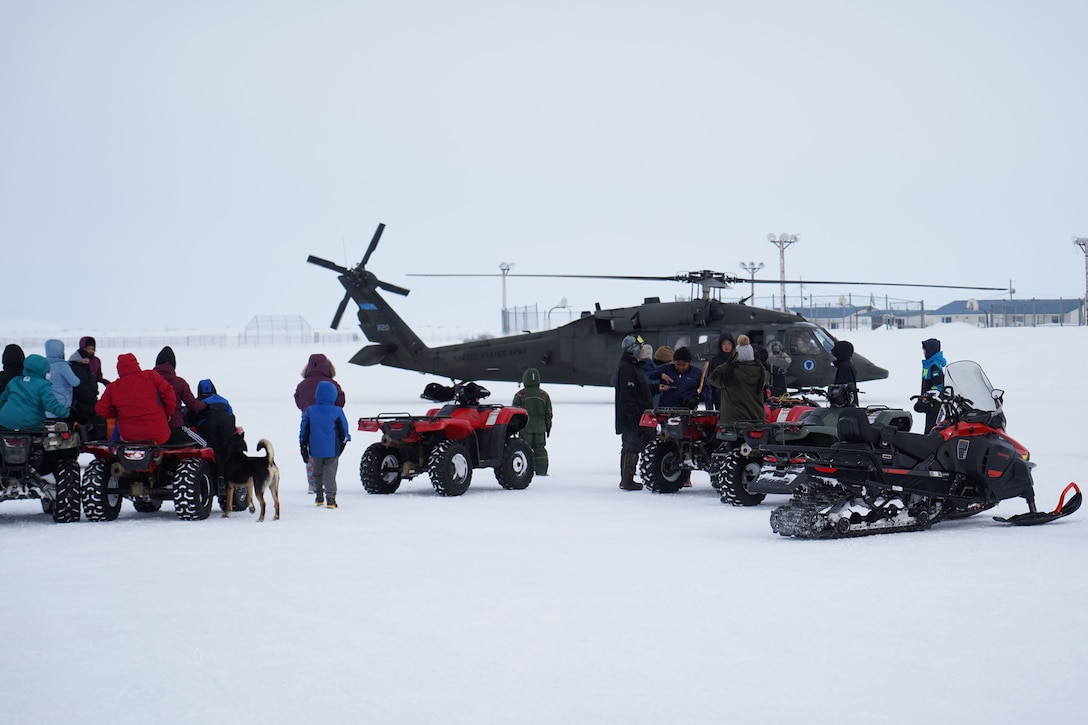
[148, 473]
[689, 440]
[447, 443]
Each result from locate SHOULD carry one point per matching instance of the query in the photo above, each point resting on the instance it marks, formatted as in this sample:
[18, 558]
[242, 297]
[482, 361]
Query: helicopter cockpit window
[803, 342]
[825, 340]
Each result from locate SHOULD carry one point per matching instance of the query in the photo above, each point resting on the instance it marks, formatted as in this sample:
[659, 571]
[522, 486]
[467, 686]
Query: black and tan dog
[256, 474]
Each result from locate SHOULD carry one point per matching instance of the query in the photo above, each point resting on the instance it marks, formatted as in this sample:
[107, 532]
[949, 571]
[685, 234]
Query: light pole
[783, 241]
[561, 306]
[505, 268]
[1082, 242]
[751, 268]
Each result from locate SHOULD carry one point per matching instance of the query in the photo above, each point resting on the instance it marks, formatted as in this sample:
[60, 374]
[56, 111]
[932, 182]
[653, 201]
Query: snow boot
[628, 464]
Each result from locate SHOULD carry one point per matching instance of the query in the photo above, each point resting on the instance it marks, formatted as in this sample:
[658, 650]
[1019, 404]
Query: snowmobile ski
[1033, 518]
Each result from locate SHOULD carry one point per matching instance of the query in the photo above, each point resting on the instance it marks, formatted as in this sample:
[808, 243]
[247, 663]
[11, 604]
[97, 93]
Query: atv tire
[660, 467]
[450, 468]
[241, 499]
[734, 472]
[380, 469]
[192, 486]
[65, 507]
[518, 465]
[146, 504]
[101, 492]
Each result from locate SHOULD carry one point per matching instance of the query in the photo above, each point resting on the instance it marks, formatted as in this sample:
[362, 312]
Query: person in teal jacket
[26, 400]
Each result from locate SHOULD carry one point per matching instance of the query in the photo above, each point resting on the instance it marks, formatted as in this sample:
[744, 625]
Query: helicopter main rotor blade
[875, 284]
[391, 288]
[373, 244]
[650, 278]
[709, 279]
[326, 264]
[340, 311]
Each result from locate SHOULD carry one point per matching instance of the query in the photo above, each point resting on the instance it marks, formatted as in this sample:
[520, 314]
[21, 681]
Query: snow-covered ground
[570, 601]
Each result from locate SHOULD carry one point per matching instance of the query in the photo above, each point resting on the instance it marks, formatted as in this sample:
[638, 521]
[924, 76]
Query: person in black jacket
[932, 379]
[846, 374]
[633, 396]
[13, 364]
[84, 398]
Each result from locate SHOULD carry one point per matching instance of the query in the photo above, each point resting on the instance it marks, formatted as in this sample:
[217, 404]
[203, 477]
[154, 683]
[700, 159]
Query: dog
[256, 474]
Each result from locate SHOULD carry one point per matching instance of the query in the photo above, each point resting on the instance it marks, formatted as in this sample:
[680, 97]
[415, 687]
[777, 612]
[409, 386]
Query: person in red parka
[141, 401]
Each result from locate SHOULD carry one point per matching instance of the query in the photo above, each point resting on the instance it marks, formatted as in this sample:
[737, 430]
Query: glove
[305, 451]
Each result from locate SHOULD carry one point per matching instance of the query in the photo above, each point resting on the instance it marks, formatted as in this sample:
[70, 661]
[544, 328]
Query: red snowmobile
[880, 479]
[447, 443]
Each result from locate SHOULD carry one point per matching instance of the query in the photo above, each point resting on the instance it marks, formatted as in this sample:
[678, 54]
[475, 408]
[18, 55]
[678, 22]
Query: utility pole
[751, 268]
[1082, 242]
[783, 241]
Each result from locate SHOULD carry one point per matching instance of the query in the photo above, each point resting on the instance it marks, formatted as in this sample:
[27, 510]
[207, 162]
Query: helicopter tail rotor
[356, 278]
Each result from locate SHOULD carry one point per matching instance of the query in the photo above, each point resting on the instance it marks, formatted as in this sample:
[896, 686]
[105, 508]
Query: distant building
[838, 317]
[1010, 313]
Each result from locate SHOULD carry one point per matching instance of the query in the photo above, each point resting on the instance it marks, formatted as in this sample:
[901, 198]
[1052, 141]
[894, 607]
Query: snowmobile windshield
[967, 380]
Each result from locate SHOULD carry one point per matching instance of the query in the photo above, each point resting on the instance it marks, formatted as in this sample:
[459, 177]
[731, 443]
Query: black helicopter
[585, 351]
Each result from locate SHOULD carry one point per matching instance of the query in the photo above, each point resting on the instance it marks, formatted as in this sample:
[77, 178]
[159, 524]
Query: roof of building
[1010, 307]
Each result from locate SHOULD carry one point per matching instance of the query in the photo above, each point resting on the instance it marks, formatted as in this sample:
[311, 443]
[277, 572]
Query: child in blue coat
[322, 436]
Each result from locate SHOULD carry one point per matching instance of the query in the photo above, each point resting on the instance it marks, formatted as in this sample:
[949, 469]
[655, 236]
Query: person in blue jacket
[61, 375]
[26, 400]
[322, 437]
[683, 386]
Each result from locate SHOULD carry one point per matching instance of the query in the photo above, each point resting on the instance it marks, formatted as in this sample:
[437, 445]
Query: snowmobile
[447, 443]
[879, 479]
[26, 457]
[148, 473]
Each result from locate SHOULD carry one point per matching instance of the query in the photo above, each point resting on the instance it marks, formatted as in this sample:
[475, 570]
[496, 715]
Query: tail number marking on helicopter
[485, 354]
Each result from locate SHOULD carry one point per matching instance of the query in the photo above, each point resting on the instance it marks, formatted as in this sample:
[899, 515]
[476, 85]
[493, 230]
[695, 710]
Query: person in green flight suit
[539, 405]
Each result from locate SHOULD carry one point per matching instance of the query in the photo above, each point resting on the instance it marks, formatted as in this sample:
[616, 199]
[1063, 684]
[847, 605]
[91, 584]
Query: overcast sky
[174, 163]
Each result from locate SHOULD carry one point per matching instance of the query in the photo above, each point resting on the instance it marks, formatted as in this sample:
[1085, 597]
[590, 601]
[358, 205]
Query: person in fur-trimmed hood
[742, 380]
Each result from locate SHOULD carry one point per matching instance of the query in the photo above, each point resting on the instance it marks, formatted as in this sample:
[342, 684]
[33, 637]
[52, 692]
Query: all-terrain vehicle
[744, 477]
[148, 474]
[448, 443]
[684, 443]
[28, 457]
[688, 439]
[881, 479]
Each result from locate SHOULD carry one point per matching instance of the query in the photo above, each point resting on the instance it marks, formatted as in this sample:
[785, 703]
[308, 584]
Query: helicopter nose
[867, 370]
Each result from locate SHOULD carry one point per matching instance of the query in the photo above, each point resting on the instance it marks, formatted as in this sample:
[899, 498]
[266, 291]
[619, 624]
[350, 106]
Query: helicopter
[585, 351]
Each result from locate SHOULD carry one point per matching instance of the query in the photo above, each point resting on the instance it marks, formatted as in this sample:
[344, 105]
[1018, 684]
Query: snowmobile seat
[916, 446]
[855, 430]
